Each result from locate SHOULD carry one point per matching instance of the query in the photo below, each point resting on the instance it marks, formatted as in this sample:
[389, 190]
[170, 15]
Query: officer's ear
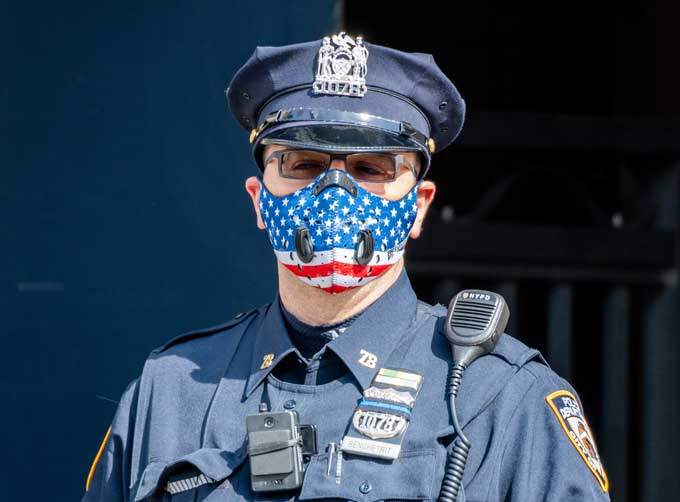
[424, 198]
[253, 188]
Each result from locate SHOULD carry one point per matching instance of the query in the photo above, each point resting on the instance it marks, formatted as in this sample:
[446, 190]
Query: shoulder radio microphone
[474, 323]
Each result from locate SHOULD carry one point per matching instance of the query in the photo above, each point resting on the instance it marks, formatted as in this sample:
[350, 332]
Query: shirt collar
[369, 341]
[272, 344]
[364, 347]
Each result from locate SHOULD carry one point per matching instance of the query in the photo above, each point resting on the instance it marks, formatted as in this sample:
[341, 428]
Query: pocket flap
[213, 463]
[449, 430]
[365, 479]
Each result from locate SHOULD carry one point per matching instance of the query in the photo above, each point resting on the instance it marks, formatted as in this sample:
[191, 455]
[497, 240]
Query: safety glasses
[369, 167]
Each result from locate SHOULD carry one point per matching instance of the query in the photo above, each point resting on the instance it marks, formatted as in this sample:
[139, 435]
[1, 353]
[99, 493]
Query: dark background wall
[124, 220]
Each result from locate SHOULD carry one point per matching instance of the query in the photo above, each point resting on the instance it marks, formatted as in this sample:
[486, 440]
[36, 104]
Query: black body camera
[277, 447]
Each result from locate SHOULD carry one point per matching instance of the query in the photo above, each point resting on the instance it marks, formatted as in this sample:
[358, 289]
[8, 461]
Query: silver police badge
[341, 66]
[378, 425]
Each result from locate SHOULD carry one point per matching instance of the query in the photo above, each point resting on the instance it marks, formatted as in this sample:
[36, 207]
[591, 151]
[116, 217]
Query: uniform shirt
[183, 420]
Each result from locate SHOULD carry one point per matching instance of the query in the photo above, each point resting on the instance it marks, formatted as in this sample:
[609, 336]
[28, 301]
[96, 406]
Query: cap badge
[341, 66]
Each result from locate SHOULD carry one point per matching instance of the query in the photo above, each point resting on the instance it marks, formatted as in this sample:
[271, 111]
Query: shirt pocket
[179, 479]
[366, 479]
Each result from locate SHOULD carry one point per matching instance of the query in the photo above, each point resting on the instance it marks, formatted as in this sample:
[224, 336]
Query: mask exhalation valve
[363, 251]
[303, 245]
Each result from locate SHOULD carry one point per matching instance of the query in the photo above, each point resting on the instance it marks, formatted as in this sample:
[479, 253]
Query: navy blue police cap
[341, 94]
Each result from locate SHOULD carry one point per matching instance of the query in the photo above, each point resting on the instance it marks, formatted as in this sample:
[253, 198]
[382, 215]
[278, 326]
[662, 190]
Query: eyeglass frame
[397, 157]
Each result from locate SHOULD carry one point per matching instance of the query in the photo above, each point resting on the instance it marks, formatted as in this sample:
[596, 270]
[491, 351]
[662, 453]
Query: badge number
[378, 425]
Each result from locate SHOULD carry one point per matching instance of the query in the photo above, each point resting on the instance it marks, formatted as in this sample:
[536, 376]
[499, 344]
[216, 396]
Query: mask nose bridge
[335, 177]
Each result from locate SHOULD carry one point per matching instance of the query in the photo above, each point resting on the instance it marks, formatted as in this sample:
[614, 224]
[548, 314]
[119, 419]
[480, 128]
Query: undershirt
[316, 365]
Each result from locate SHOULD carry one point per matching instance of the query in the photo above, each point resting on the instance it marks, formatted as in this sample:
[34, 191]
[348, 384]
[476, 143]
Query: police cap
[342, 94]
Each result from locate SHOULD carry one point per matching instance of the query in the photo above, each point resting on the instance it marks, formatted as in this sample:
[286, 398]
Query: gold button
[430, 145]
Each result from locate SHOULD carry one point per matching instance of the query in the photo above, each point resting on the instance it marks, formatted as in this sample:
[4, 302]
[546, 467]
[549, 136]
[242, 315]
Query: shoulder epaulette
[237, 319]
[516, 352]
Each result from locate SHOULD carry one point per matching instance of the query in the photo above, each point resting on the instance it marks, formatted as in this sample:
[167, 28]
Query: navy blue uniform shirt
[179, 430]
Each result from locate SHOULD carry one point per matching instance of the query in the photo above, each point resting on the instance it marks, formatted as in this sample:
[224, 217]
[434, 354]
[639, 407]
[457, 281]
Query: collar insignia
[341, 66]
[267, 361]
[367, 358]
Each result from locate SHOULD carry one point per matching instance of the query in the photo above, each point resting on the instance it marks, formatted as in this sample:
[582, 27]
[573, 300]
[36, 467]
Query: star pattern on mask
[334, 218]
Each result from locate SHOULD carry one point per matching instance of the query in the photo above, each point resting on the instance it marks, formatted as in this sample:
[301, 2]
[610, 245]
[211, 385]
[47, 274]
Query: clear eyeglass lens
[303, 164]
[372, 167]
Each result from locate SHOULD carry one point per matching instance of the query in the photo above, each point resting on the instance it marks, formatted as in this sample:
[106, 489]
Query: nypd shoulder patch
[567, 409]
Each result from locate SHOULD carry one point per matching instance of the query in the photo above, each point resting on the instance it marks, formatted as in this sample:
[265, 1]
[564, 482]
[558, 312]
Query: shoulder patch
[97, 458]
[239, 318]
[567, 409]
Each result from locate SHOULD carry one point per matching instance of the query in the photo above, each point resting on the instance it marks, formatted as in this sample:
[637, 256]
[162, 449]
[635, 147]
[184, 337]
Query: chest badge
[383, 414]
[377, 425]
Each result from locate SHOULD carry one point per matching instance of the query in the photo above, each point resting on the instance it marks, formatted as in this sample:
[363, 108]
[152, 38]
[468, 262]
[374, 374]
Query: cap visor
[337, 138]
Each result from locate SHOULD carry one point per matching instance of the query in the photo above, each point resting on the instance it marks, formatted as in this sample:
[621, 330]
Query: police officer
[343, 132]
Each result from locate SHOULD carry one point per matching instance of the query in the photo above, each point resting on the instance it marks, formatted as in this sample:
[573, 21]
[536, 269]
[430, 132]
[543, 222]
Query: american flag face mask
[335, 235]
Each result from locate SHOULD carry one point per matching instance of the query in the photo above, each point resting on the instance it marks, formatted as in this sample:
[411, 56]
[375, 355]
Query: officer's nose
[338, 164]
